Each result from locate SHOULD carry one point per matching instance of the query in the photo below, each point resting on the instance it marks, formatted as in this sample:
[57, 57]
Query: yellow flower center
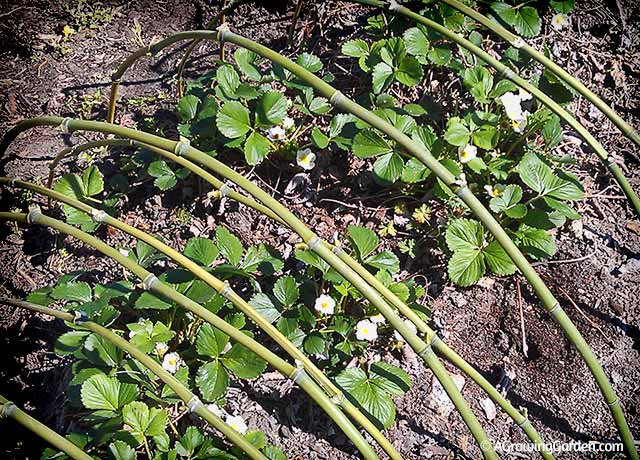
[365, 330]
[172, 361]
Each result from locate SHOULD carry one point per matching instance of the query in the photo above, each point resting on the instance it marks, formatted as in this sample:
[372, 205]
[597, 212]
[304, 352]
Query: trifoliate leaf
[355, 48]
[508, 202]
[541, 178]
[524, 19]
[310, 62]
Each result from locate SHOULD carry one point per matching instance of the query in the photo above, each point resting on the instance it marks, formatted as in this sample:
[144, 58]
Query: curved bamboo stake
[422, 348]
[439, 345]
[519, 43]
[506, 72]
[151, 283]
[10, 410]
[192, 402]
[459, 186]
[222, 287]
[550, 303]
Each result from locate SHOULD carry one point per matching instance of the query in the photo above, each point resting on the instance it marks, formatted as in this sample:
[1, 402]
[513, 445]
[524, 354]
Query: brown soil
[599, 291]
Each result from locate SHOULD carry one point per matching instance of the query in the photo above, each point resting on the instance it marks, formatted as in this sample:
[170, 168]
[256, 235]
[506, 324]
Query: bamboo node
[432, 338]
[12, 181]
[461, 190]
[181, 146]
[613, 403]
[508, 73]
[518, 43]
[425, 351]
[297, 375]
[314, 243]
[337, 99]
[226, 291]
[338, 398]
[524, 422]
[7, 409]
[337, 250]
[98, 215]
[610, 162]
[64, 125]
[194, 404]
[149, 281]
[555, 308]
[224, 190]
[80, 317]
[394, 5]
[34, 215]
[223, 30]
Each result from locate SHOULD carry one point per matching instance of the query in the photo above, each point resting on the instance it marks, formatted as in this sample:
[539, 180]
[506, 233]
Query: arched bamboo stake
[192, 402]
[10, 410]
[221, 287]
[506, 72]
[439, 345]
[422, 348]
[151, 283]
[519, 43]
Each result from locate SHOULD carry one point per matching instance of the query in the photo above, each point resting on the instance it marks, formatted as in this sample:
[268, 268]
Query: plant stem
[178, 388]
[298, 375]
[518, 43]
[295, 224]
[9, 410]
[294, 21]
[221, 287]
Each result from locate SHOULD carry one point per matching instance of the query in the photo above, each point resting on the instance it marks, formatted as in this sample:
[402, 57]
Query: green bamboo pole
[519, 43]
[222, 287]
[184, 149]
[440, 346]
[153, 284]
[222, 190]
[506, 72]
[10, 410]
[192, 401]
[549, 301]
[551, 304]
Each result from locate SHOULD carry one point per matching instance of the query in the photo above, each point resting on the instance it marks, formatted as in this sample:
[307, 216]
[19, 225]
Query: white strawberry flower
[559, 21]
[215, 409]
[171, 362]
[511, 103]
[366, 330]
[467, 153]
[276, 133]
[161, 349]
[237, 423]
[494, 190]
[306, 159]
[288, 123]
[378, 319]
[124, 252]
[325, 304]
[520, 123]
[411, 327]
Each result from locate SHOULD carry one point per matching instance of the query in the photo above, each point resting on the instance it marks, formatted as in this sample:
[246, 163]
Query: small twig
[525, 347]
[9, 13]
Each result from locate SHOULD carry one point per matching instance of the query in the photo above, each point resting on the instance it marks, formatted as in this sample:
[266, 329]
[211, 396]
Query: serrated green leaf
[375, 401]
[73, 292]
[271, 109]
[365, 240]
[211, 341]
[384, 260]
[227, 78]
[256, 148]
[466, 266]
[416, 42]
[457, 133]
[310, 62]
[233, 120]
[188, 107]
[263, 304]
[508, 202]
[120, 450]
[286, 290]
[244, 363]
[388, 167]
[390, 378]
[212, 380]
[229, 245]
[368, 143]
[246, 61]
[355, 48]
[464, 234]
[149, 301]
[319, 139]
[314, 344]
[70, 342]
[202, 250]
[382, 76]
[537, 243]
[498, 260]
[92, 181]
[541, 178]
[107, 393]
